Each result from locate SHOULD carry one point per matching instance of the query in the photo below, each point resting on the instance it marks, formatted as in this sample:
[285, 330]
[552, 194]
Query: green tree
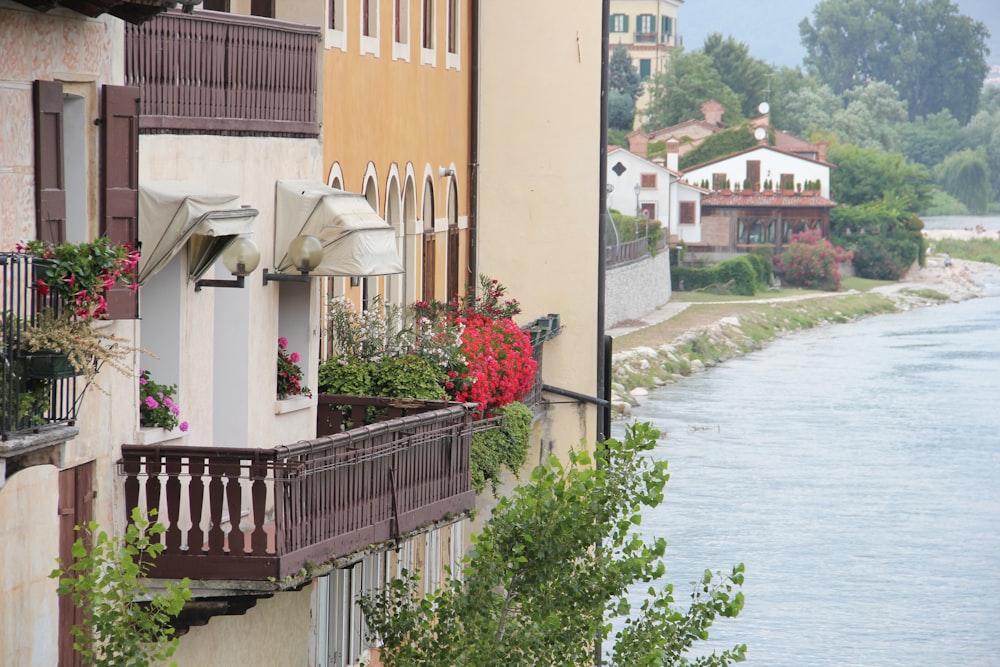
[621, 111]
[687, 82]
[622, 75]
[744, 75]
[550, 573]
[809, 109]
[931, 54]
[928, 140]
[871, 118]
[966, 176]
[984, 131]
[106, 580]
[726, 142]
[865, 175]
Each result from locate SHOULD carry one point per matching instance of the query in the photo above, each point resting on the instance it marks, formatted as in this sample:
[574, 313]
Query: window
[263, 8]
[57, 117]
[688, 212]
[432, 561]
[336, 34]
[647, 180]
[753, 174]
[453, 240]
[645, 65]
[430, 243]
[369, 27]
[454, 35]
[216, 5]
[666, 26]
[645, 28]
[648, 210]
[427, 32]
[401, 30]
[619, 23]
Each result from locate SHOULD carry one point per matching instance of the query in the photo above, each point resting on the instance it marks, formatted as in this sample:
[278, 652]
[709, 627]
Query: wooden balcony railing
[30, 397]
[217, 73]
[254, 514]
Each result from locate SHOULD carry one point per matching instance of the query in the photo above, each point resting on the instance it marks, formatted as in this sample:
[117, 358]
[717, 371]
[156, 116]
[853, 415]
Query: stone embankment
[636, 371]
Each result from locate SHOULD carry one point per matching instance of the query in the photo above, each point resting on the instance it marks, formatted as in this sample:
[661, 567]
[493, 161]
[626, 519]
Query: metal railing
[211, 72]
[31, 397]
[255, 514]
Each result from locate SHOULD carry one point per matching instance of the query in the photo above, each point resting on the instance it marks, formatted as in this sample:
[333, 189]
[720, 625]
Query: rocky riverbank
[636, 370]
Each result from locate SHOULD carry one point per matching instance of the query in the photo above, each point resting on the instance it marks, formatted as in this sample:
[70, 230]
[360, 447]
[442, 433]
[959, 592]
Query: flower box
[46, 365]
[154, 435]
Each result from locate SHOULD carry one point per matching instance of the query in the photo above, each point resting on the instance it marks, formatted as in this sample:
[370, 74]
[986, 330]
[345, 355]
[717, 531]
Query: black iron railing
[34, 388]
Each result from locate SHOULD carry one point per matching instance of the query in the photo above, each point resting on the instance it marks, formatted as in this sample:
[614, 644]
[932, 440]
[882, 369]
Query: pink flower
[282, 342]
[184, 426]
[176, 410]
[294, 356]
[151, 403]
[142, 380]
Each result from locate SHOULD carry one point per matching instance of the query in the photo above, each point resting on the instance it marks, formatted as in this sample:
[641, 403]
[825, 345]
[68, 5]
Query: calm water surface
[855, 470]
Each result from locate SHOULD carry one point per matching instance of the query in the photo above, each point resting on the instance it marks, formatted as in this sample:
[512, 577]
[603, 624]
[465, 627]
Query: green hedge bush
[737, 274]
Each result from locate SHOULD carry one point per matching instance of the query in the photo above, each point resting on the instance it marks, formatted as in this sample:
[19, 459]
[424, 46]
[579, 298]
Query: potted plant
[289, 373]
[80, 274]
[157, 408]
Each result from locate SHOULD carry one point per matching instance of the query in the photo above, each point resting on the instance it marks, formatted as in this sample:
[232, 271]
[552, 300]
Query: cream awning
[175, 213]
[356, 241]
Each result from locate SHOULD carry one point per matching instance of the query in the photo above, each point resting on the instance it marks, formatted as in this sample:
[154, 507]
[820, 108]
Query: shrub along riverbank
[709, 332]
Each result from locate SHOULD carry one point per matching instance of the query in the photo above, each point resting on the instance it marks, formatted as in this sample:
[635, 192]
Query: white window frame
[370, 44]
[618, 23]
[337, 38]
[453, 59]
[401, 15]
[428, 56]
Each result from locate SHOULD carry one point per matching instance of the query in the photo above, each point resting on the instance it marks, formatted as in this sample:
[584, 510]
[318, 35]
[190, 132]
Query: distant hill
[771, 29]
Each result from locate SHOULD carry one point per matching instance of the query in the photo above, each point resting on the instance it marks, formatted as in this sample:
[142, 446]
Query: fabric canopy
[175, 213]
[355, 240]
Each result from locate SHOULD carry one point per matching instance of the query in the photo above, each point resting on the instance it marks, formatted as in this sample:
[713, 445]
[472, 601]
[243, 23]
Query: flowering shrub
[289, 372]
[501, 366]
[812, 261]
[156, 404]
[477, 351]
[81, 273]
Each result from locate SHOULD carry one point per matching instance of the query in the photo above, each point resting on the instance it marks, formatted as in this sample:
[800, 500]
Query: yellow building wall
[540, 101]
[380, 111]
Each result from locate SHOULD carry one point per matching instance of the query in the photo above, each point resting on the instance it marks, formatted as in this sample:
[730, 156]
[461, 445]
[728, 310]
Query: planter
[47, 365]
[554, 317]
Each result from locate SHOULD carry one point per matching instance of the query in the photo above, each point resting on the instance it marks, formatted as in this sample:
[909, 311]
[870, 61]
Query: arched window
[427, 214]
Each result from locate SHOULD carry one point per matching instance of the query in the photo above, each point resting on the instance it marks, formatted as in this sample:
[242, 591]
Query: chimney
[638, 142]
[821, 150]
[673, 146]
[712, 111]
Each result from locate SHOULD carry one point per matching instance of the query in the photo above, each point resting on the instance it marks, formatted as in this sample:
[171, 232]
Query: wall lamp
[306, 253]
[241, 258]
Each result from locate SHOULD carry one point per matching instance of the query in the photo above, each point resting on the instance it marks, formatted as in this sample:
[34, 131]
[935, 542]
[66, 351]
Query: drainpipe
[603, 342]
[603, 423]
[474, 145]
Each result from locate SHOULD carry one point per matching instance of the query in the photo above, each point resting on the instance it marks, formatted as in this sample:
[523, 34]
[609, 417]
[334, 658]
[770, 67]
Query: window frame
[428, 32]
[369, 22]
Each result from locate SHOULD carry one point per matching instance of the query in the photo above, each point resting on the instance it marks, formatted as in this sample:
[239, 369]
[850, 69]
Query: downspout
[603, 359]
[603, 422]
[473, 146]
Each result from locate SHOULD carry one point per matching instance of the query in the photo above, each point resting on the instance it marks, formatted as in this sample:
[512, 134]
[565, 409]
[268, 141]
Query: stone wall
[636, 289]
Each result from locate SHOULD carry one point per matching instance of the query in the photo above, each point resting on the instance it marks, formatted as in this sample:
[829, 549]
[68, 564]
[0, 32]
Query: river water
[855, 470]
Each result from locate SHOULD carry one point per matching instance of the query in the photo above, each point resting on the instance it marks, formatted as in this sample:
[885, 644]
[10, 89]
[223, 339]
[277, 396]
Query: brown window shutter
[428, 266]
[120, 184]
[648, 180]
[687, 212]
[50, 186]
[453, 239]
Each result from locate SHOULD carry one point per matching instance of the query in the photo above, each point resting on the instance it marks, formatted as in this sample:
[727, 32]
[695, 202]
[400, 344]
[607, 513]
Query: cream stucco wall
[273, 632]
[539, 175]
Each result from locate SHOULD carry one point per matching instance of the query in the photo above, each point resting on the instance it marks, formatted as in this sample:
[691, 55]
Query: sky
[771, 28]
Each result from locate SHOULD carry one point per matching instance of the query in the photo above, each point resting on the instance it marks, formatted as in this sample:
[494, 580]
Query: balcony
[217, 73]
[267, 514]
[31, 399]
[645, 38]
